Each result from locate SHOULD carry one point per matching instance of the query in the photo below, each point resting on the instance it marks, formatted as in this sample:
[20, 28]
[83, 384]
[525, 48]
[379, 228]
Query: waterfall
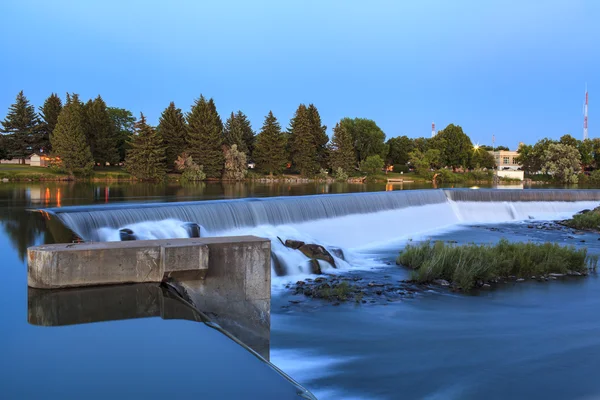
[350, 222]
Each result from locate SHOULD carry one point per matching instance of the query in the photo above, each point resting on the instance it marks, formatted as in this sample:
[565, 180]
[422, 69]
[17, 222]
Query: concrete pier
[107, 263]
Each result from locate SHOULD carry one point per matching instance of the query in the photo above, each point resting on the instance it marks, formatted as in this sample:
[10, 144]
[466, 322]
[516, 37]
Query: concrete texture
[238, 299]
[104, 263]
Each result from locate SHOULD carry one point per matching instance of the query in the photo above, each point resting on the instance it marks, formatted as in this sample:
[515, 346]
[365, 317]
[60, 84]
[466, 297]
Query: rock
[339, 253]
[520, 280]
[486, 286]
[4, 180]
[441, 282]
[315, 251]
[574, 273]
[277, 266]
[293, 244]
[127, 234]
[582, 241]
[192, 228]
[315, 268]
[556, 275]
[530, 226]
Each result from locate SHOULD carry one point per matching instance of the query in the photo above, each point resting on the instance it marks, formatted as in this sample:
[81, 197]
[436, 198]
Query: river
[527, 340]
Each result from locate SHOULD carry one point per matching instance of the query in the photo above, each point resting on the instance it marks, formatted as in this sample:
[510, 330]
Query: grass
[15, 172]
[468, 265]
[340, 292]
[587, 220]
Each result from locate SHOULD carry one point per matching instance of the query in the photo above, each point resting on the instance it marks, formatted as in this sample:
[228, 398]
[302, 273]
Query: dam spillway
[351, 222]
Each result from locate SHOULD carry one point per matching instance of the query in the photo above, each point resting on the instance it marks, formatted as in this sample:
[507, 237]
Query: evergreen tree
[146, 157]
[319, 134]
[68, 139]
[302, 146]
[173, 130]
[248, 134]
[233, 134]
[205, 137]
[49, 113]
[23, 124]
[123, 124]
[270, 149]
[100, 132]
[341, 150]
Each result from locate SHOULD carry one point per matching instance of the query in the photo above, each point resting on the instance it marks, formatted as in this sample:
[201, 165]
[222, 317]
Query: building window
[505, 160]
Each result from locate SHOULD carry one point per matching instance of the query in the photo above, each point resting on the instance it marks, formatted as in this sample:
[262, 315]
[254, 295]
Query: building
[506, 160]
[38, 160]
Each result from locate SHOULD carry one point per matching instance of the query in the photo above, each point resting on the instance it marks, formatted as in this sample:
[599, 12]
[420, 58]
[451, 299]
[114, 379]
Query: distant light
[474, 187]
[476, 147]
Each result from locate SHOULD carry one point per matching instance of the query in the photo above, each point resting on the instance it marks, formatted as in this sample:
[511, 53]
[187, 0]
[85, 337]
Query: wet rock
[520, 280]
[315, 267]
[574, 273]
[277, 265]
[556, 275]
[126, 234]
[293, 244]
[530, 226]
[441, 282]
[315, 251]
[192, 229]
[486, 286]
[339, 253]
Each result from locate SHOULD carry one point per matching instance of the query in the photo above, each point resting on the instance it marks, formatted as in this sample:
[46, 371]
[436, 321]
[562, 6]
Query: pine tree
[270, 150]
[341, 150]
[100, 132]
[173, 130]
[319, 133]
[233, 134]
[146, 157]
[49, 113]
[302, 146]
[205, 137]
[23, 124]
[68, 139]
[248, 135]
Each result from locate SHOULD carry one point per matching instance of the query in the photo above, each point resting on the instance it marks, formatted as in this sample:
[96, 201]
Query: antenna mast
[585, 115]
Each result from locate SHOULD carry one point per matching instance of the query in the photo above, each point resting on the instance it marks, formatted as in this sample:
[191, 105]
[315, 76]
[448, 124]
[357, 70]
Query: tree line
[82, 135]
[565, 159]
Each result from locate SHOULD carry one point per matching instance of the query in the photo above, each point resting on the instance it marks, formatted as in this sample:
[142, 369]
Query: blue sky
[516, 69]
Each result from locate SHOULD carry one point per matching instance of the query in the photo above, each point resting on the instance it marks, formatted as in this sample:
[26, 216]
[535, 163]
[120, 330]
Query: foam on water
[358, 224]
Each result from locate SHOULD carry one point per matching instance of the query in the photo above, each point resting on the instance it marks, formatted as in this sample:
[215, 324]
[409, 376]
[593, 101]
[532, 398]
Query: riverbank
[26, 173]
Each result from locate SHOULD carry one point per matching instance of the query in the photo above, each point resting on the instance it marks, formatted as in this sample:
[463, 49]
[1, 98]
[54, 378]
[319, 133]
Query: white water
[360, 235]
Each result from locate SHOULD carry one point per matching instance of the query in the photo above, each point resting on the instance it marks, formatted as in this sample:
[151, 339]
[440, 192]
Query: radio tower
[585, 115]
[432, 129]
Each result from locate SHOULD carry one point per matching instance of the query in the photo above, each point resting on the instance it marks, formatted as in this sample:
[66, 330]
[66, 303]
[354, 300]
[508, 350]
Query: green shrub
[589, 220]
[372, 165]
[469, 264]
[401, 168]
[594, 178]
[340, 174]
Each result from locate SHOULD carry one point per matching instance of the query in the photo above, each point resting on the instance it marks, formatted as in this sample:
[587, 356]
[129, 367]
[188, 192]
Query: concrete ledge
[107, 263]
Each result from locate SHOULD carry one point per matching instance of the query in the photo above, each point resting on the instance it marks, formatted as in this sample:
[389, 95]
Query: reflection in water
[120, 302]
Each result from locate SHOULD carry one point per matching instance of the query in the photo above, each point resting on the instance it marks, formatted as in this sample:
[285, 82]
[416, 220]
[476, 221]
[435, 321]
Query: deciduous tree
[562, 161]
[368, 138]
[399, 150]
[455, 146]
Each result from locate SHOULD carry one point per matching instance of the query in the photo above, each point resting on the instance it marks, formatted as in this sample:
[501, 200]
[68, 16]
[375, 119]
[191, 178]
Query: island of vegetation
[468, 266]
[586, 220]
[90, 140]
